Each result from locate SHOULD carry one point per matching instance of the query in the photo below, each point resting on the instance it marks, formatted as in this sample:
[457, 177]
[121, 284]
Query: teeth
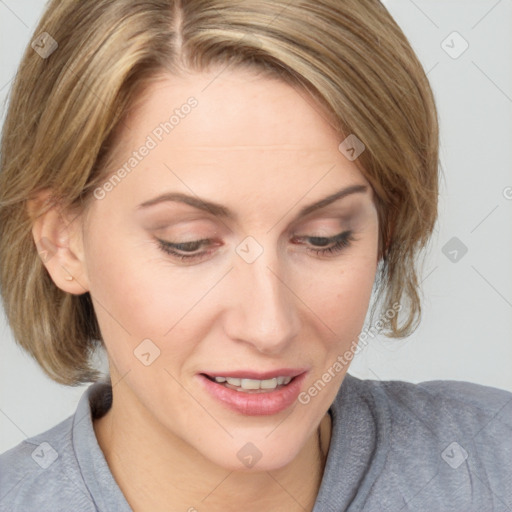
[254, 384]
[268, 384]
[250, 384]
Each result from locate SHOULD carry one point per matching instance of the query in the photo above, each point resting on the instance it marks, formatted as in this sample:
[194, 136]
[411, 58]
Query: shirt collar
[105, 492]
[358, 448]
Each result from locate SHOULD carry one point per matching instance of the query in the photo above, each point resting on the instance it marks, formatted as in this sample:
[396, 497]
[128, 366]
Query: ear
[58, 238]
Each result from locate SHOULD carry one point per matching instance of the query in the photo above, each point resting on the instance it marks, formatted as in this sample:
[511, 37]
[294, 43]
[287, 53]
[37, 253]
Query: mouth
[247, 385]
[254, 394]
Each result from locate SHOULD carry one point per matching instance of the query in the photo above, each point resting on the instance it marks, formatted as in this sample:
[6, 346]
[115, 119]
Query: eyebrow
[221, 211]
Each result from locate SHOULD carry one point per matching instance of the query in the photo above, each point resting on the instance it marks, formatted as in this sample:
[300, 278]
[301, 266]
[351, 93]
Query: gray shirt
[431, 447]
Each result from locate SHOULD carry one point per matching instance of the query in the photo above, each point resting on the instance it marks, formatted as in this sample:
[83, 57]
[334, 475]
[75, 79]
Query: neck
[157, 471]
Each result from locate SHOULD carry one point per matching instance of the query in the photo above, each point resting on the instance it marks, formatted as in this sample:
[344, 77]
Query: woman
[212, 191]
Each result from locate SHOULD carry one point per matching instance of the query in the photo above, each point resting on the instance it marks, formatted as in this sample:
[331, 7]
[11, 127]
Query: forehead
[245, 136]
[238, 109]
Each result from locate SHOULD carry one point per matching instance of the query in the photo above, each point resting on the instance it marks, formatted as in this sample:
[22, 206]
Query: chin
[254, 456]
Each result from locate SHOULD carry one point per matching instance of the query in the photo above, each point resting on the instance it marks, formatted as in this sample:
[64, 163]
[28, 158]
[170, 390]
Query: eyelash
[340, 241]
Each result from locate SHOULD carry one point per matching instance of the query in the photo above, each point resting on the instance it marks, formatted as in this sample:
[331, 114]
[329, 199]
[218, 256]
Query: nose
[263, 310]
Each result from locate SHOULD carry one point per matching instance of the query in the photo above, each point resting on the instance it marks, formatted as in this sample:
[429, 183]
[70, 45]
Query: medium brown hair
[65, 110]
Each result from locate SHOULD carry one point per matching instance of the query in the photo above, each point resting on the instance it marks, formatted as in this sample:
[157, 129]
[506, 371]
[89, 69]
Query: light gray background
[466, 332]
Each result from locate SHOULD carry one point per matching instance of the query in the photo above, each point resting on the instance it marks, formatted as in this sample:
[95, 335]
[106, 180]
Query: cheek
[340, 294]
[137, 297]
[128, 301]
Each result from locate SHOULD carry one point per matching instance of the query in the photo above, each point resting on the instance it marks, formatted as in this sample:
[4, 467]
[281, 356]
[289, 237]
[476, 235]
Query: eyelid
[344, 211]
[335, 245]
[329, 221]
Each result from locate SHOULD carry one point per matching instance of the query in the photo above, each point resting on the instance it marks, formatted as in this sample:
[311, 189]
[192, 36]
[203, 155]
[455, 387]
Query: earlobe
[57, 236]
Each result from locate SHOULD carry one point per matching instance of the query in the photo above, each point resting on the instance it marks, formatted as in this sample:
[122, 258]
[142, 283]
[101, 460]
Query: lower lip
[255, 404]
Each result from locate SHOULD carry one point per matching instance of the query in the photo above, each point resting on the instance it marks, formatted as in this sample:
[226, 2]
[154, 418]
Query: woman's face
[262, 292]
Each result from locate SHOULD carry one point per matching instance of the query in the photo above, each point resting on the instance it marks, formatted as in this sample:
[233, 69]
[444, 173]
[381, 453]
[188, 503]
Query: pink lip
[255, 404]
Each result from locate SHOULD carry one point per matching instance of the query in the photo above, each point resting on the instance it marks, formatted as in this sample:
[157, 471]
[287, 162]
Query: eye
[185, 247]
[335, 244]
[190, 251]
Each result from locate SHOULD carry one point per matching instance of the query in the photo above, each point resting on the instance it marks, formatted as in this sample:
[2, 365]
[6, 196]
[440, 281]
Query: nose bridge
[264, 309]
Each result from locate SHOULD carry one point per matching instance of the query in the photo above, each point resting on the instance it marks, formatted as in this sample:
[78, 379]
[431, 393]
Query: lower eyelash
[168, 249]
[340, 241]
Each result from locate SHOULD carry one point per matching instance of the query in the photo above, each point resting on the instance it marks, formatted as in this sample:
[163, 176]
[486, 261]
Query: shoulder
[41, 474]
[443, 409]
[444, 405]
[464, 410]
[445, 441]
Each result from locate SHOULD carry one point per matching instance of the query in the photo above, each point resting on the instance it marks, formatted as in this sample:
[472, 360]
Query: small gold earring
[68, 278]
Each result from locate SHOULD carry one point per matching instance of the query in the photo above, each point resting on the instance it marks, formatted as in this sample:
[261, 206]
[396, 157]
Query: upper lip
[251, 374]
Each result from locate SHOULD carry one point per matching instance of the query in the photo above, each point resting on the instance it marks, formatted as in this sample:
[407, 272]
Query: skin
[262, 149]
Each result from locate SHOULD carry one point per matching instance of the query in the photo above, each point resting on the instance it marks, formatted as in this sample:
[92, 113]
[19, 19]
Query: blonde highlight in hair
[66, 112]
